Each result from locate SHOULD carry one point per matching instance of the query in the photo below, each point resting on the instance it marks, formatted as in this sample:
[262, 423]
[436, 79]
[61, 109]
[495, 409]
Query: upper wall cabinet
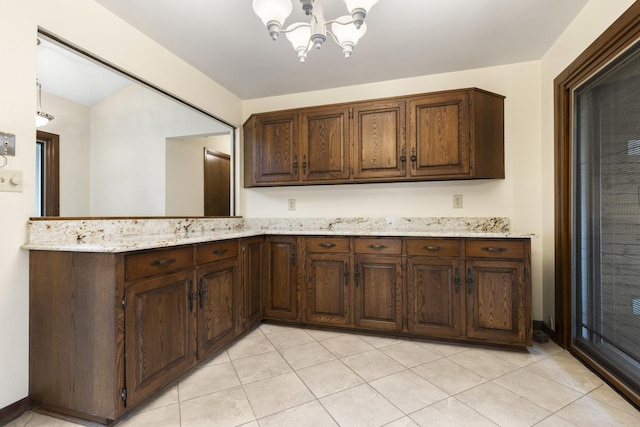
[456, 134]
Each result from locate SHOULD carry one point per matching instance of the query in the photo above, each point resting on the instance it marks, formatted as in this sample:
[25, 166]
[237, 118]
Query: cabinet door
[282, 292]
[160, 335]
[217, 304]
[324, 144]
[253, 267]
[434, 297]
[378, 292]
[328, 290]
[497, 309]
[379, 140]
[276, 148]
[439, 135]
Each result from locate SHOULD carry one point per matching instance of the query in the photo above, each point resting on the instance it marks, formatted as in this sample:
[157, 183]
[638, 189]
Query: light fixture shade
[345, 32]
[42, 118]
[299, 38]
[272, 10]
[359, 4]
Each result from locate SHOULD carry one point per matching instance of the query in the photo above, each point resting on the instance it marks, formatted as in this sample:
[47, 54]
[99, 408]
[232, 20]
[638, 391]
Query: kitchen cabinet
[328, 271]
[378, 282]
[282, 293]
[498, 291]
[324, 144]
[456, 134]
[435, 299]
[218, 297]
[253, 258]
[378, 131]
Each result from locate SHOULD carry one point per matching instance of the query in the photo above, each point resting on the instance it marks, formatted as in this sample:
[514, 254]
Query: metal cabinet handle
[490, 249]
[356, 276]
[220, 251]
[456, 279]
[469, 281]
[201, 293]
[377, 246]
[432, 248]
[295, 164]
[413, 158]
[327, 245]
[192, 295]
[346, 274]
[162, 262]
[304, 164]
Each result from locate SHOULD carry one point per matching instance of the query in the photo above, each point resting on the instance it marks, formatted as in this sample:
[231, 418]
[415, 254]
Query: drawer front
[378, 246]
[327, 244]
[434, 247]
[216, 251]
[500, 248]
[157, 262]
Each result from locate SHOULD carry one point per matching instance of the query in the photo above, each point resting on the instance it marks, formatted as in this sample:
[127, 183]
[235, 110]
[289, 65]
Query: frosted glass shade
[299, 37]
[272, 10]
[359, 4]
[346, 32]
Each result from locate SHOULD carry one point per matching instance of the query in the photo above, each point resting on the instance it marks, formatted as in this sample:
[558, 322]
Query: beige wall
[526, 195]
[92, 28]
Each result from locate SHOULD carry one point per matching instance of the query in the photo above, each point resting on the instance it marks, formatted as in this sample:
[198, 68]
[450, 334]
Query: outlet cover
[457, 201]
[292, 204]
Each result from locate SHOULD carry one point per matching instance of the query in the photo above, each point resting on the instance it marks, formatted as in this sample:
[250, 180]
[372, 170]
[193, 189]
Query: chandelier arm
[291, 28]
[335, 39]
[335, 21]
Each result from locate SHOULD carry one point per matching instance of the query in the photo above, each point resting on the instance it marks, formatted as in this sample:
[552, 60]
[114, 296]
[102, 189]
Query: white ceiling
[405, 38]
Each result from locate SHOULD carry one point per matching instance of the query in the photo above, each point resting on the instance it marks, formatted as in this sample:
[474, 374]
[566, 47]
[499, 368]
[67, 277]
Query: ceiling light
[345, 30]
[42, 118]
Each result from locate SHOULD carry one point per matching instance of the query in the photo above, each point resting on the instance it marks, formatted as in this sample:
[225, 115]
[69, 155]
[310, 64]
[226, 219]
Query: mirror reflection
[126, 149]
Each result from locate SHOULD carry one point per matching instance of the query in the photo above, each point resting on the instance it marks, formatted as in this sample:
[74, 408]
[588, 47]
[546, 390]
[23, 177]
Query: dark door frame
[624, 32]
[51, 184]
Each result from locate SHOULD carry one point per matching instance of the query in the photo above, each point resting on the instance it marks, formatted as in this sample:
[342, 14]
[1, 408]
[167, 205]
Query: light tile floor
[285, 376]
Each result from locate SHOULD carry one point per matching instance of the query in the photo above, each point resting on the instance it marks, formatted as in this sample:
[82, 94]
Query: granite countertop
[124, 235]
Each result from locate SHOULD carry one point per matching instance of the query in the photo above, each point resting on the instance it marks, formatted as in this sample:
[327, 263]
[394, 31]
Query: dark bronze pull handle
[346, 274]
[413, 158]
[432, 248]
[490, 249]
[403, 158]
[327, 245]
[469, 281]
[377, 246]
[304, 164]
[220, 251]
[294, 256]
[192, 295]
[295, 164]
[201, 293]
[161, 262]
[356, 276]
[456, 280]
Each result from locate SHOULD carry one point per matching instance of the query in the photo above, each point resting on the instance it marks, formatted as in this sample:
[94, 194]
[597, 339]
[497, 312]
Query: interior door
[217, 183]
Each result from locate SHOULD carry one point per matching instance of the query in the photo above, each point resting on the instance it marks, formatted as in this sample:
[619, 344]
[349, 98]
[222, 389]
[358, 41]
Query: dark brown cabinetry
[218, 296]
[378, 284]
[328, 274]
[282, 293]
[435, 299]
[456, 134]
[253, 257]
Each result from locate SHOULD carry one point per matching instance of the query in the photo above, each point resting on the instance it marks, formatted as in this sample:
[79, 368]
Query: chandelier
[42, 118]
[345, 30]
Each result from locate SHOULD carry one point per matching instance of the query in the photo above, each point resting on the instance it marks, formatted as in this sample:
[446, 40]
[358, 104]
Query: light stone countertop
[124, 235]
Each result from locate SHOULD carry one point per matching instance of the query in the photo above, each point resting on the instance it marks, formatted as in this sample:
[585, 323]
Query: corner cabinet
[457, 134]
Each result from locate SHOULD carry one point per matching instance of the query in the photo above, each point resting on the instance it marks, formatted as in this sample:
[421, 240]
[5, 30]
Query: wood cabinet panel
[216, 251]
[379, 246]
[274, 148]
[157, 262]
[433, 247]
[325, 144]
[379, 140]
[328, 289]
[435, 298]
[327, 244]
[378, 292]
[218, 287]
[253, 281]
[160, 333]
[282, 286]
[498, 307]
[497, 248]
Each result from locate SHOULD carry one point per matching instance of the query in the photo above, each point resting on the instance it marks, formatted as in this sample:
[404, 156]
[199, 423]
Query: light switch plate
[11, 181]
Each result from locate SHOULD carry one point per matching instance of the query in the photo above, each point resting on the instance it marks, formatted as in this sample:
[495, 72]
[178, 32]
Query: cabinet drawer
[216, 251]
[434, 247]
[501, 248]
[327, 244]
[157, 262]
[378, 246]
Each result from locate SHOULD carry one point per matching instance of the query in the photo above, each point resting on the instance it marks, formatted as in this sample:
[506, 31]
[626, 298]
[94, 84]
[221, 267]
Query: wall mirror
[127, 148]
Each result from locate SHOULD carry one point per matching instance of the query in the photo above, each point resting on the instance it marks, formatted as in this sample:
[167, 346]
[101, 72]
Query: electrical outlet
[457, 201]
[292, 204]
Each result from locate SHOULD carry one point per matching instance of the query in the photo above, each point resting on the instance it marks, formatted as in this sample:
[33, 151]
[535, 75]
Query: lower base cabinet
[109, 330]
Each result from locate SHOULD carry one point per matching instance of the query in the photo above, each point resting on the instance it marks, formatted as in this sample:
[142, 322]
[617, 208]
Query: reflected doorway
[217, 174]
